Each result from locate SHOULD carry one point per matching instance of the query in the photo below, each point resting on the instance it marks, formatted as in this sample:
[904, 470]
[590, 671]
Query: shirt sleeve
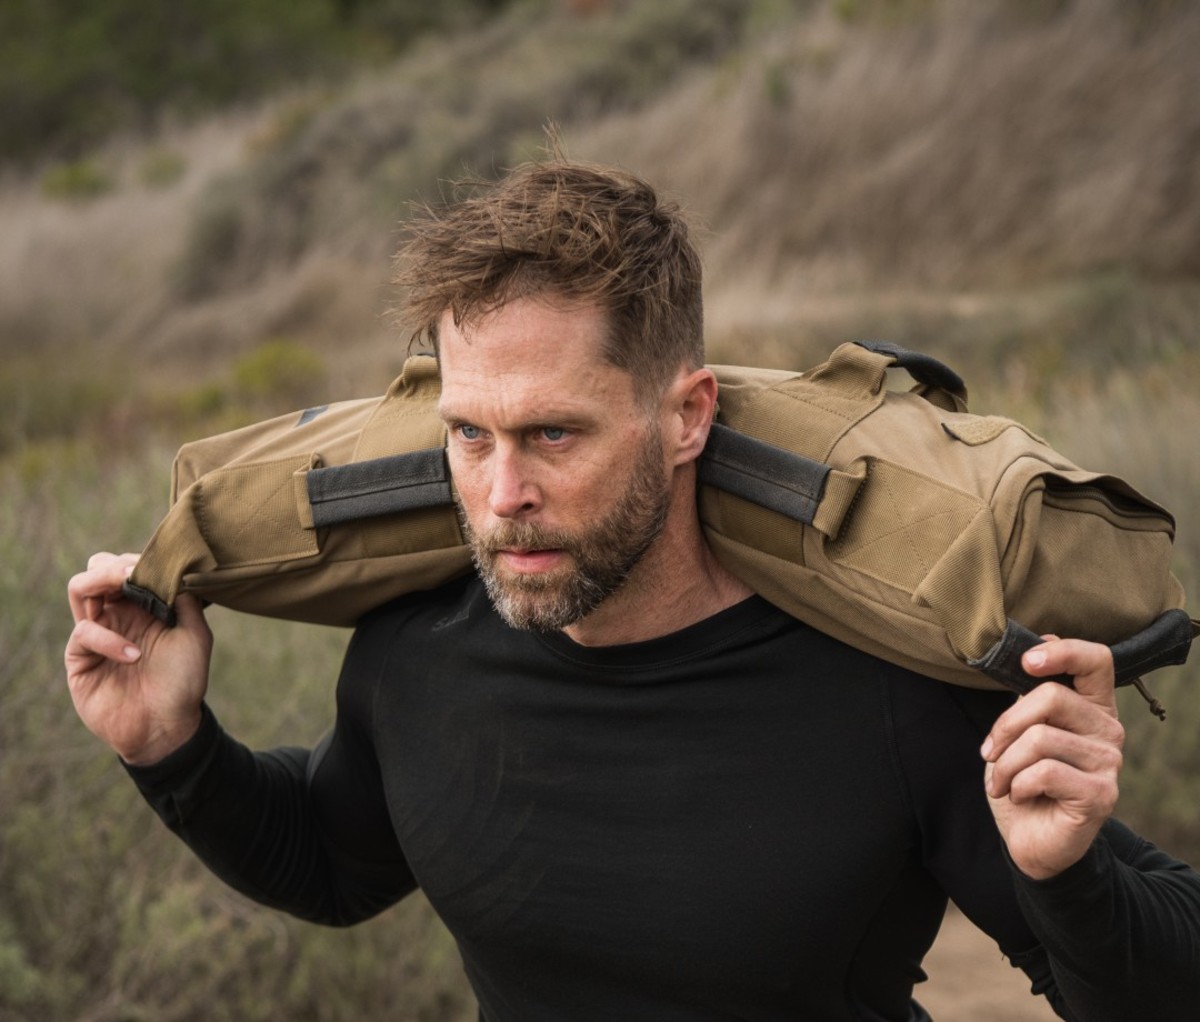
[1120, 929]
[1116, 937]
[304, 831]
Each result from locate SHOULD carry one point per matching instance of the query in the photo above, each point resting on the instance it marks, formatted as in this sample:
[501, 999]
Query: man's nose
[513, 492]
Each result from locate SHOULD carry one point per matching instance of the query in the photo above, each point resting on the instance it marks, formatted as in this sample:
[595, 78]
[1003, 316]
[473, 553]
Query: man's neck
[677, 583]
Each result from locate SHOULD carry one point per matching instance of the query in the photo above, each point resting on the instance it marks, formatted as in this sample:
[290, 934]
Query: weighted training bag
[899, 523]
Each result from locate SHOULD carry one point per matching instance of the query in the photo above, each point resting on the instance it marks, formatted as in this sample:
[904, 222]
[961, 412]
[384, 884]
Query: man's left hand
[1053, 758]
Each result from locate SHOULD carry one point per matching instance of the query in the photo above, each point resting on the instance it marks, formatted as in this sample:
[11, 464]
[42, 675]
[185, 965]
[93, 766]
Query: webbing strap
[151, 601]
[379, 486]
[763, 473]
[1164, 642]
[752, 469]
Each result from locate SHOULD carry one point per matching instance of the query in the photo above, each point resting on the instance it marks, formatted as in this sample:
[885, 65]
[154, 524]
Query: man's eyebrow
[447, 412]
[557, 415]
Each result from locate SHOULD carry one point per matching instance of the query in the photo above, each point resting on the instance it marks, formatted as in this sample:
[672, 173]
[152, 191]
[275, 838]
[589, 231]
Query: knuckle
[1065, 697]
[1111, 796]
[1038, 740]
[1104, 792]
[1115, 732]
[1113, 760]
[77, 641]
[1030, 782]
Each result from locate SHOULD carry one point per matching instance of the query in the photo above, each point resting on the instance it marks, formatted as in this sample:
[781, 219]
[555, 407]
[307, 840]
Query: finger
[83, 603]
[189, 615]
[1091, 795]
[1090, 664]
[1043, 743]
[90, 640]
[1054, 705]
[188, 609]
[104, 557]
[89, 591]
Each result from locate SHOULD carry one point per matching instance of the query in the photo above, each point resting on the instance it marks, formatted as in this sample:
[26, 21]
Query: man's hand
[136, 684]
[1053, 758]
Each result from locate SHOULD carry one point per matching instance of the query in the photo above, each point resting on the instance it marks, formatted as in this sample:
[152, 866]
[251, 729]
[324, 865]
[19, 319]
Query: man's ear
[692, 406]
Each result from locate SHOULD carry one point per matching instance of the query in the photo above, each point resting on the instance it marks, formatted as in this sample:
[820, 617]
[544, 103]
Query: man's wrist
[164, 744]
[1050, 878]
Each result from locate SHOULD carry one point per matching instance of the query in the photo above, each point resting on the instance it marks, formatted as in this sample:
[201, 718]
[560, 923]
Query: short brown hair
[570, 232]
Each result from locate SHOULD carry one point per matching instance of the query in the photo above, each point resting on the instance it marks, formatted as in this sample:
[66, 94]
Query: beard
[601, 557]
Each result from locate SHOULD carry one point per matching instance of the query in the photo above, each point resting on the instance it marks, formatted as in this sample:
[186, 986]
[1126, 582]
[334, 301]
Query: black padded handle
[922, 368]
[1165, 641]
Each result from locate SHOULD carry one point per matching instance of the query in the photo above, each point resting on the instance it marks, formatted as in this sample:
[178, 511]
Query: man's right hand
[137, 684]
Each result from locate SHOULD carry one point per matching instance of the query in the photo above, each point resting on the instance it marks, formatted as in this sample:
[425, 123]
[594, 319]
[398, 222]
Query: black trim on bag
[379, 486]
[762, 473]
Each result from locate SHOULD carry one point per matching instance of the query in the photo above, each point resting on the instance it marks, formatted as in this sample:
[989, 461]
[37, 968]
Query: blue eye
[469, 432]
[553, 433]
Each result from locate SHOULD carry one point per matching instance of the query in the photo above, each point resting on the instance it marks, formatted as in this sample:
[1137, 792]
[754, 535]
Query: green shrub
[18, 977]
[279, 371]
[213, 241]
[162, 168]
[68, 395]
[887, 12]
[77, 181]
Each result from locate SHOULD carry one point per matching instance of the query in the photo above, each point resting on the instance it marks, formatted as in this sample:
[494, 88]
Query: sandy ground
[971, 982]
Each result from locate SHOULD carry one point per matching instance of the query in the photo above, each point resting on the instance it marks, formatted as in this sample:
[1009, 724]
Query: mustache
[523, 536]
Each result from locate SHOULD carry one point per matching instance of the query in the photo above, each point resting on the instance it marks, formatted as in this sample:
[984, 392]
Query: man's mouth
[529, 561]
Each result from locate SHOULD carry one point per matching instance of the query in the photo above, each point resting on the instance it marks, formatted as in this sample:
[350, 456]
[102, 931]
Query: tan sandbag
[899, 523]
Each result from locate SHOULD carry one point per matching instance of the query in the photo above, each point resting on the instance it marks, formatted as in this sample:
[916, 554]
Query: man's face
[560, 475]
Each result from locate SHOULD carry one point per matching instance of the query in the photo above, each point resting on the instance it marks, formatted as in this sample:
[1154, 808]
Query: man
[632, 788]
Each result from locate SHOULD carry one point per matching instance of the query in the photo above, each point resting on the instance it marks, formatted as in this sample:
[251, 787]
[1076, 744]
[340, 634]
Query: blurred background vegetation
[198, 203]
[74, 72]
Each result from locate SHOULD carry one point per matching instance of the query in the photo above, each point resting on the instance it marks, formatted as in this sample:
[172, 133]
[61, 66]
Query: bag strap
[797, 487]
[380, 486]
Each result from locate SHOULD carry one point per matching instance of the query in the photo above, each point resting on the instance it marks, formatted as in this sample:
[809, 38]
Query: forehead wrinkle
[534, 359]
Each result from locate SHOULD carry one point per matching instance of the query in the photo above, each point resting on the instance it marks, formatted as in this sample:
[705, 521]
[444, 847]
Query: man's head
[564, 478]
[574, 234]
[564, 303]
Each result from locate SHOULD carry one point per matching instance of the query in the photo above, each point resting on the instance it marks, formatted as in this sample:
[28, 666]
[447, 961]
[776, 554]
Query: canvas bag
[899, 523]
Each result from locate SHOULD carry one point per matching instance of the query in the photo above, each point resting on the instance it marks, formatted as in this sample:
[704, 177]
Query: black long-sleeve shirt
[741, 820]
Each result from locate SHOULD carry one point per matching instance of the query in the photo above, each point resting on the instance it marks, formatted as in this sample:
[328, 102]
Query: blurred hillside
[973, 175]
[74, 72]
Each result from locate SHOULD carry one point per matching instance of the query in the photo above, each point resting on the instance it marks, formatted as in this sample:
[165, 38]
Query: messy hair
[564, 232]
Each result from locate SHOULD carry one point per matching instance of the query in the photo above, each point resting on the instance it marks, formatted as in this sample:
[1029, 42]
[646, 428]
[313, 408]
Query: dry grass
[980, 148]
[93, 269]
